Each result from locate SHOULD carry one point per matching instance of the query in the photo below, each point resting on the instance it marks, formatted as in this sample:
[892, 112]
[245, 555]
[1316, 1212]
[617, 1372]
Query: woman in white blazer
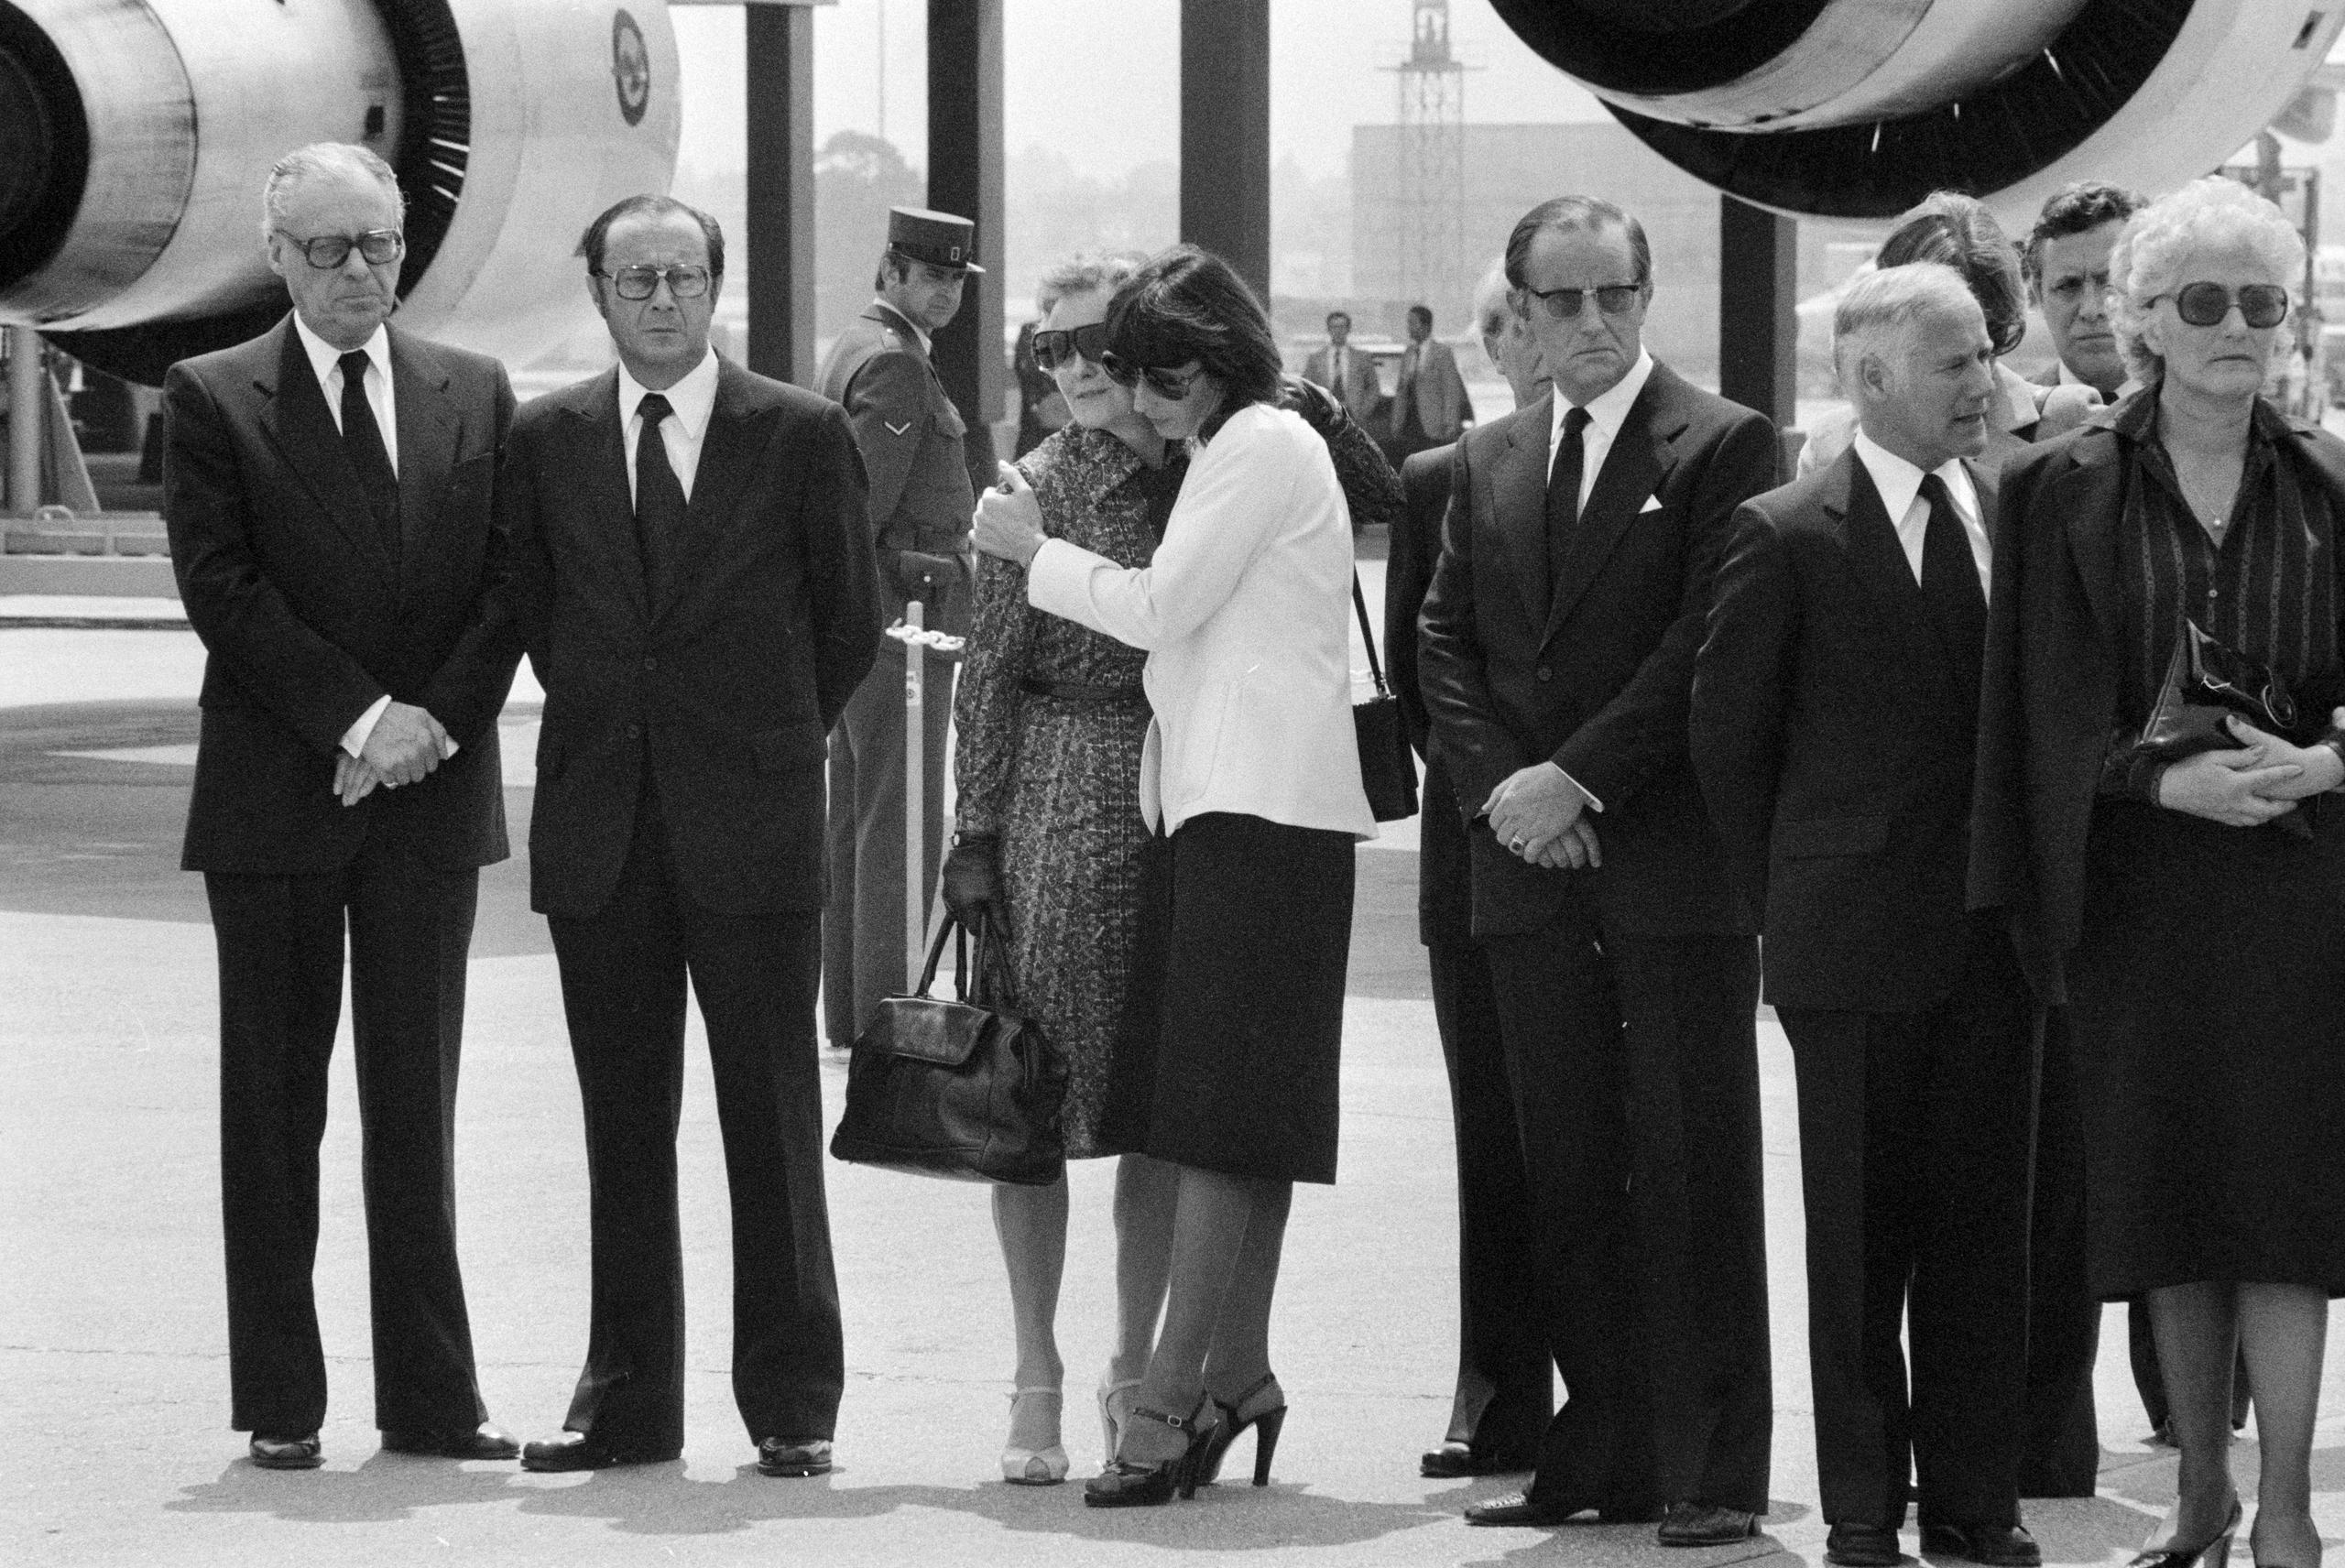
[1228, 1069]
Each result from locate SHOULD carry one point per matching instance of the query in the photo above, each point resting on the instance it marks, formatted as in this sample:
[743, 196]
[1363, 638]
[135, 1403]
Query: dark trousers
[2060, 1437]
[1913, 1135]
[1634, 1061]
[281, 941]
[862, 923]
[623, 977]
[1505, 1392]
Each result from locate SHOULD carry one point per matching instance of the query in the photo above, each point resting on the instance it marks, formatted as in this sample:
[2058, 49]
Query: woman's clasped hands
[2261, 781]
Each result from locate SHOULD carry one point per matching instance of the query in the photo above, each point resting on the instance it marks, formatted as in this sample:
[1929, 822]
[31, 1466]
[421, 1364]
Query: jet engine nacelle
[1860, 108]
[135, 136]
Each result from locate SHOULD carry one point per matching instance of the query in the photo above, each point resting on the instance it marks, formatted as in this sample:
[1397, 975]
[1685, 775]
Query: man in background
[1344, 370]
[1430, 405]
[2065, 261]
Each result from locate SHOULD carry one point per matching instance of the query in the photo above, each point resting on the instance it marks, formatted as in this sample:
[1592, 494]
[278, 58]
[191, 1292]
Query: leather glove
[971, 877]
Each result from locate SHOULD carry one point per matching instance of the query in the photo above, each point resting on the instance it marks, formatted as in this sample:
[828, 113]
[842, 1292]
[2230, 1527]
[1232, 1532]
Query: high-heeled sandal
[1130, 1483]
[1111, 1422]
[1033, 1466]
[1267, 1422]
[2214, 1554]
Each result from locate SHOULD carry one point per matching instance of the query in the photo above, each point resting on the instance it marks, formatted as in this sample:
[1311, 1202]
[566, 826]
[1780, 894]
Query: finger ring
[1515, 843]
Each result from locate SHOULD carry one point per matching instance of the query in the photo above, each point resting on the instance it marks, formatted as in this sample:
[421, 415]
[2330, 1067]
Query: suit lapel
[426, 437]
[1518, 502]
[1638, 457]
[2090, 497]
[1878, 558]
[294, 414]
[726, 449]
[600, 455]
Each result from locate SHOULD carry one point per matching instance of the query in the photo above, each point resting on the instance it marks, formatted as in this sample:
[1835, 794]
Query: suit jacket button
[634, 732]
[1545, 673]
[650, 664]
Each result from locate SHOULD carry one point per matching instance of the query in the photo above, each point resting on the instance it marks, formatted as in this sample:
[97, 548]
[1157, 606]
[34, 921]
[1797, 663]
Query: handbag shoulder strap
[1368, 634]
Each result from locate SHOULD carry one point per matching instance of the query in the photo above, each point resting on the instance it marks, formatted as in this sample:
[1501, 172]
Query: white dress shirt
[326, 361]
[691, 400]
[1606, 412]
[1900, 484]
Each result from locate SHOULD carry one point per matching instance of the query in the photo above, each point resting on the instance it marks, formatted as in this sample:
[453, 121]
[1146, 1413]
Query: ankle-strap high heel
[1112, 1414]
[1267, 1422]
[1033, 1466]
[2215, 1553]
[1128, 1483]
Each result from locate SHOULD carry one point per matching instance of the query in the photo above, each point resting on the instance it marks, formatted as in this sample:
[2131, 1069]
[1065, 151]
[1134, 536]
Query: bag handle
[1359, 603]
[985, 984]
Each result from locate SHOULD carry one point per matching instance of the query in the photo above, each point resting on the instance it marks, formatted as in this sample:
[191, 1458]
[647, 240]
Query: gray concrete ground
[113, 1444]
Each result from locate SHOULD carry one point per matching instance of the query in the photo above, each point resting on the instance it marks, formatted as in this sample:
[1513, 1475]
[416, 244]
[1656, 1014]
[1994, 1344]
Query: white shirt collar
[324, 358]
[1609, 408]
[906, 321]
[693, 398]
[1900, 481]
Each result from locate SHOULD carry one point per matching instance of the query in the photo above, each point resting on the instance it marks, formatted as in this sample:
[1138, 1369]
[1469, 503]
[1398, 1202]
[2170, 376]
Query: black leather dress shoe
[1706, 1524]
[1454, 1460]
[794, 1456]
[1515, 1507]
[579, 1451]
[1997, 1545]
[304, 1452]
[1862, 1546]
[485, 1440]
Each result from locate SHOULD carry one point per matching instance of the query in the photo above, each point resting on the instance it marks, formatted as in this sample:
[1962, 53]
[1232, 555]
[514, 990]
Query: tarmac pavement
[113, 1444]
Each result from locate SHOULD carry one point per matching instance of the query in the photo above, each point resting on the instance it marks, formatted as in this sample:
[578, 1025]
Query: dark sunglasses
[642, 282]
[326, 252]
[1612, 299]
[1053, 348]
[1169, 385]
[2206, 304]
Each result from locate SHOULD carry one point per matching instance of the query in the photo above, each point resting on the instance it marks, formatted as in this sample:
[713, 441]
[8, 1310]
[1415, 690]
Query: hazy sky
[1096, 80]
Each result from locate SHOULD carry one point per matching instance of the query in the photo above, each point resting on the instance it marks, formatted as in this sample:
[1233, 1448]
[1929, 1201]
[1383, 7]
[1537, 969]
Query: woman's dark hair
[1189, 304]
[1958, 232]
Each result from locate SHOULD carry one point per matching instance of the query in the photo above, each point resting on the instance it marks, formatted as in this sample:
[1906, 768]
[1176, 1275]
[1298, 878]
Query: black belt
[1076, 692]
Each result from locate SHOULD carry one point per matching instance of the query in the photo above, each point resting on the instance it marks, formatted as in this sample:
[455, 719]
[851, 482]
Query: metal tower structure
[1431, 198]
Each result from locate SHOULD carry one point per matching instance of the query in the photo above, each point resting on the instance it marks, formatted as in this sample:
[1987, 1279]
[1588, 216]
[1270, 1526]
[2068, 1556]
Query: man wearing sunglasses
[329, 487]
[912, 440]
[1556, 662]
[692, 580]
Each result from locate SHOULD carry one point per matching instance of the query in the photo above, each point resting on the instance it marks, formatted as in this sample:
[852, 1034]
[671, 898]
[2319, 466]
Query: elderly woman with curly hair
[1226, 1071]
[2189, 910]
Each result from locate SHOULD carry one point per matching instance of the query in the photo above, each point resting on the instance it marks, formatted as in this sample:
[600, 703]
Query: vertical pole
[916, 823]
[781, 235]
[28, 410]
[1758, 321]
[965, 176]
[1226, 133]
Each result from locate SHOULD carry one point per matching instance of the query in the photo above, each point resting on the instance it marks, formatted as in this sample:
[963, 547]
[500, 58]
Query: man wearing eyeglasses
[1556, 663]
[693, 583]
[329, 487]
[911, 438]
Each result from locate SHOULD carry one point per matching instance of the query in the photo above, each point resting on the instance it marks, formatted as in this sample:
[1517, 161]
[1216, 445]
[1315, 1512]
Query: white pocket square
[1652, 503]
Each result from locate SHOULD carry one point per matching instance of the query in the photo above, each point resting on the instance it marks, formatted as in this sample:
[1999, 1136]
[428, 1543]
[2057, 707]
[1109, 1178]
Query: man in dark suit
[693, 582]
[912, 439]
[1835, 728]
[1505, 1393]
[328, 488]
[1557, 657]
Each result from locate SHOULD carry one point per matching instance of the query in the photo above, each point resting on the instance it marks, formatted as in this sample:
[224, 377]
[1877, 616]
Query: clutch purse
[2207, 681]
[1388, 766]
[967, 1090]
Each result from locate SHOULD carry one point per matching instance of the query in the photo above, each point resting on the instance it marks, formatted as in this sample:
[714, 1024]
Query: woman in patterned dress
[1050, 718]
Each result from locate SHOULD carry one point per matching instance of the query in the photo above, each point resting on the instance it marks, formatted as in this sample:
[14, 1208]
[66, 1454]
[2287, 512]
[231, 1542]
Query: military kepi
[938, 238]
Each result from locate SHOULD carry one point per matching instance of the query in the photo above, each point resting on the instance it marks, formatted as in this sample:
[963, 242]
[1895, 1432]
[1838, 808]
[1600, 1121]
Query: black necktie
[362, 441]
[1563, 491]
[1950, 578]
[659, 495]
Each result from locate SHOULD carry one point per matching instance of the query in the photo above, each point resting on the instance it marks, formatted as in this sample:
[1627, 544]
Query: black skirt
[1231, 1051]
[2207, 1010]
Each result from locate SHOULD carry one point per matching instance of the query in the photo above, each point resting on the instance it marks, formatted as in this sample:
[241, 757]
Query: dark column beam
[1225, 132]
[781, 281]
[1758, 326]
[965, 176]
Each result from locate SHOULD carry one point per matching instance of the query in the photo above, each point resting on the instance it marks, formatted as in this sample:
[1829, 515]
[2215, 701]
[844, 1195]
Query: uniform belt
[1076, 692]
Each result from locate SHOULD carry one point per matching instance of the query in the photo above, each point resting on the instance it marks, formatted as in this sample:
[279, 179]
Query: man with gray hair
[329, 488]
[1834, 724]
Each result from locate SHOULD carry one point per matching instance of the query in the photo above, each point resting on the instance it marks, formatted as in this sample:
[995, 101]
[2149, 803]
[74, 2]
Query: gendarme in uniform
[911, 436]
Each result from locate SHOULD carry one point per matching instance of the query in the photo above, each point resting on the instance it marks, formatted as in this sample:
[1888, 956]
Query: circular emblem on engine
[631, 67]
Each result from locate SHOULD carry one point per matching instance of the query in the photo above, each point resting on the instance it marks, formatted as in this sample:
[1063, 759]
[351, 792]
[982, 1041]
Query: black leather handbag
[967, 1090]
[2207, 681]
[1388, 766]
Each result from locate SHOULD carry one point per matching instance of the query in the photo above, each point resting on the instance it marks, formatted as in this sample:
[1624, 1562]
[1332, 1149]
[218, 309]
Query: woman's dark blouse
[2268, 589]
